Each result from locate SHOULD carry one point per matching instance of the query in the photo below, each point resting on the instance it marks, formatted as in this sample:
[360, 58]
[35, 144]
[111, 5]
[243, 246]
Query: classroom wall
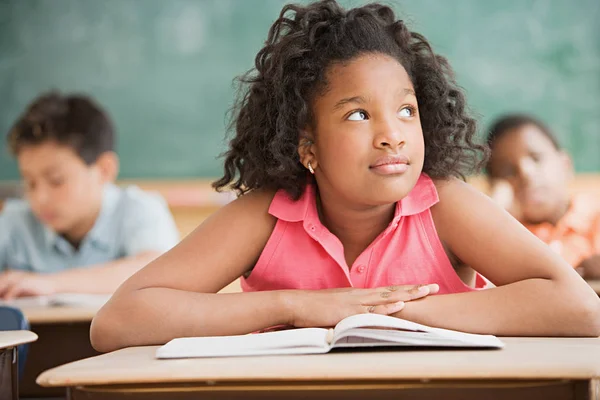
[164, 69]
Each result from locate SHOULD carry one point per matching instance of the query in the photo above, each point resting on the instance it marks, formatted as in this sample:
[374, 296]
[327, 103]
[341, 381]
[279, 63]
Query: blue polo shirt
[130, 221]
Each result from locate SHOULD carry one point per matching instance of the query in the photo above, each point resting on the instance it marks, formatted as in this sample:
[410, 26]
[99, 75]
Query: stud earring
[310, 168]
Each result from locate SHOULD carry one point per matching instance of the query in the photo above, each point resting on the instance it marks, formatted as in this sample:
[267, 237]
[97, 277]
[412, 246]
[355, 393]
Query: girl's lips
[390, 169]
[390, 165]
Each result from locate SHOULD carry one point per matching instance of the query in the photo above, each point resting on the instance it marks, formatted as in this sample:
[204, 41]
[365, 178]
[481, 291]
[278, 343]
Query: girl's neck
[356, 227]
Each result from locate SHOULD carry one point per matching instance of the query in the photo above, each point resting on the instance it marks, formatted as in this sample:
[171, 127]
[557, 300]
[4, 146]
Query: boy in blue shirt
[77, 231]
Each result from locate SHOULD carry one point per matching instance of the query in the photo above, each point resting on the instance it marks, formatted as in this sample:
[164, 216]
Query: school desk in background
[9, 379]
[62, 324]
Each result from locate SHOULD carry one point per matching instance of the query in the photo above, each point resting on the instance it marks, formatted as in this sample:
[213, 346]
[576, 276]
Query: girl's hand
[325, 308]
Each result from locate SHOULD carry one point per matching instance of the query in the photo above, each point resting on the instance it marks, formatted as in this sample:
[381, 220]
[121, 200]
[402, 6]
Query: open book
[362, 330]
[59, 300]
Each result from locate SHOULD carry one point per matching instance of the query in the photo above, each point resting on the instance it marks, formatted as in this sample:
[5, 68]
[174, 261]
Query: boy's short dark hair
[510, 122]
[74, 120]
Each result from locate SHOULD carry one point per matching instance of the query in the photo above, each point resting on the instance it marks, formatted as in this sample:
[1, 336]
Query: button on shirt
[130, 221]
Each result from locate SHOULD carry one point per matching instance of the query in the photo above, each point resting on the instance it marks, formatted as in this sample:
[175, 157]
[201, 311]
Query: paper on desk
[58, 300]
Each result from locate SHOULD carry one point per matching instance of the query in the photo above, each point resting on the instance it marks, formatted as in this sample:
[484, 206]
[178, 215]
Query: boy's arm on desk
[538, 294]
[101, 278]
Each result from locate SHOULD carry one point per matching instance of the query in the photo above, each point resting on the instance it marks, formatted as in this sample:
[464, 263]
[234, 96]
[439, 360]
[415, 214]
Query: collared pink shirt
[303, 254]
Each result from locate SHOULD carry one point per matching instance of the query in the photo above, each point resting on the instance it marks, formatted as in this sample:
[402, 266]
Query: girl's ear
[307, 150]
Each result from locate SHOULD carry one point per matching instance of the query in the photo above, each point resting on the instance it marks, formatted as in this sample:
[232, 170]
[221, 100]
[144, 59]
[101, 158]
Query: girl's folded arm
[538, 293]
[175, 295]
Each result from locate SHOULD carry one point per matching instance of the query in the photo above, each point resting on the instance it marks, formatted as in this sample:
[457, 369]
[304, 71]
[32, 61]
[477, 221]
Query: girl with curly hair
[349, 138]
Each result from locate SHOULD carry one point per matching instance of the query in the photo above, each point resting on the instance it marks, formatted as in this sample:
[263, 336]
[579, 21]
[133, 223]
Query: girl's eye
[406, 112]
[358, 116]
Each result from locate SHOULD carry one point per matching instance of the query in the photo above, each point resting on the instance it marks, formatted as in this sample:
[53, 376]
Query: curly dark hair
[74, 120]
[275, 103]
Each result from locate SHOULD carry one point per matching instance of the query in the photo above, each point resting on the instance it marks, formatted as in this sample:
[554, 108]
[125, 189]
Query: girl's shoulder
[258, 200]
[457, 199]
[252, 208]
[454, 189]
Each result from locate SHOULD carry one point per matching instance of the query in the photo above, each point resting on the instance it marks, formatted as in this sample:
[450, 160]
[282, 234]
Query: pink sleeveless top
[303, 254]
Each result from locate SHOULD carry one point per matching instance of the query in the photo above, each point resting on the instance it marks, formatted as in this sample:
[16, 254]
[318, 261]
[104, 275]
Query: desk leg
[593, 390]
[587, 390]
[9, 380]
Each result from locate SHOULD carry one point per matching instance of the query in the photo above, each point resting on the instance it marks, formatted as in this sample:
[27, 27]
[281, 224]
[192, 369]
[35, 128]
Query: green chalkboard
[164, 69]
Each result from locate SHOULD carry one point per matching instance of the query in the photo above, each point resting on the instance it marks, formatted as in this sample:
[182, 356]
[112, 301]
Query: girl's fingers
[398, 293]
[385, 309]
[416, 293]
[433, 288]
[382, 297]
[423, 290]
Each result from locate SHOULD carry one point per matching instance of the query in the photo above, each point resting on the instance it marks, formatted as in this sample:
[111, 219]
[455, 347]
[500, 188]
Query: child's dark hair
[290, 70]
[71, 120]
[510, 122]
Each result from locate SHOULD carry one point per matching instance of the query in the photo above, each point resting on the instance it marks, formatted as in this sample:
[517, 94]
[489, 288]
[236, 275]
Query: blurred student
[529, 174]
[76, 231]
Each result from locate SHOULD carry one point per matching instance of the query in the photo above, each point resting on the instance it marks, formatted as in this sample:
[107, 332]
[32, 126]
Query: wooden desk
[11, 339]
[9, 374]
[64, 337]
[59, 315]
[531, 368]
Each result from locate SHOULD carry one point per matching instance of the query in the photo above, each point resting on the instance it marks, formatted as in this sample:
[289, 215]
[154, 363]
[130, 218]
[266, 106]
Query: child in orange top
[530, 173]
[349, 138]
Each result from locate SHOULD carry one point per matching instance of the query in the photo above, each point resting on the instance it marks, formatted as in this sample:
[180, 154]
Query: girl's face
[368, 143]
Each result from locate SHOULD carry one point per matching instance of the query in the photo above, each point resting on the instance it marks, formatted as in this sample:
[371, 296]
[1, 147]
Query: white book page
[79, 299]
[468, 338]
[27, 302]
[293, 341]
[60, 299]
[400, 327]
[367, 337]
[376, 320]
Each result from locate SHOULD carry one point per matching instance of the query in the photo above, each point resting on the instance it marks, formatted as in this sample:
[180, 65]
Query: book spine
[330, 335]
